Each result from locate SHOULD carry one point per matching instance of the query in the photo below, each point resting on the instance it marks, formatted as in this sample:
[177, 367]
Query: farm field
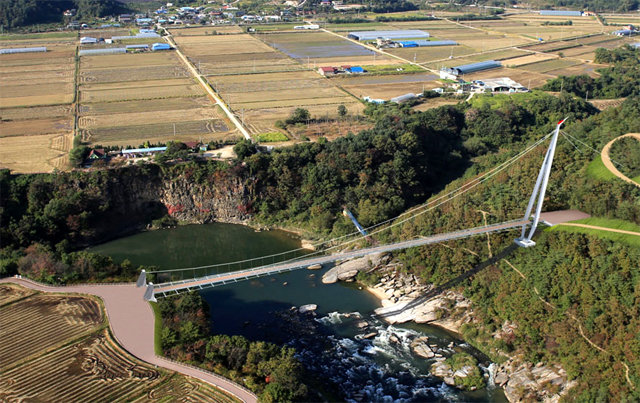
[36, 99]
[129, 99]
[387, 87]
[234, 54]
[56, 348]
[199, 31]
[67, 318]
[261, 84]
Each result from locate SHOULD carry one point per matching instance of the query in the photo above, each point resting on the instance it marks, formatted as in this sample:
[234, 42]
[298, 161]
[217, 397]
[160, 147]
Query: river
[330, 344]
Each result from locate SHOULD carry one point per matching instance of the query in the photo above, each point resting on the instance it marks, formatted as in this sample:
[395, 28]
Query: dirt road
[607, 160]
[132, 322]
[619, 231]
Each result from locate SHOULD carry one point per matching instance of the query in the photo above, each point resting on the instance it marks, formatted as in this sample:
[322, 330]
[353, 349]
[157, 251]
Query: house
[143, 22]
[97, 154]
[125, 18]
[327, 71]
[192, 145]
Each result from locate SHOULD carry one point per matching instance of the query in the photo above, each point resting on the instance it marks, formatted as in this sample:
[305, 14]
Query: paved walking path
[606, 160]
[619, 231]
[132, 322]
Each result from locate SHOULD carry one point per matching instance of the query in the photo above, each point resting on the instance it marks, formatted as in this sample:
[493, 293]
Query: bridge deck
[220, 279]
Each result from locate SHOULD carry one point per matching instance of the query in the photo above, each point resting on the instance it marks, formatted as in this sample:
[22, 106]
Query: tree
[244, 149]
[342, 111]
[78, 154]
[299, 115]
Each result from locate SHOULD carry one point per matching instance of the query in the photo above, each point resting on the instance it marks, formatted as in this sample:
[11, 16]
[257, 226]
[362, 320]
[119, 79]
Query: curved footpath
[131, 320]
[606, 160]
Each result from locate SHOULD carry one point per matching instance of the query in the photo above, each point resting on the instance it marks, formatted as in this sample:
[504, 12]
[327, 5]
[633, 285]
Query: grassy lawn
[596, 169]
[157, 329]
[633, 240]
[636, 179]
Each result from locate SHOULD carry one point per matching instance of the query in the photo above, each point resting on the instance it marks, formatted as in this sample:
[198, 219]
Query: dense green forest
[626, 154]
[620, 80]
[272, 372]
[18, 13]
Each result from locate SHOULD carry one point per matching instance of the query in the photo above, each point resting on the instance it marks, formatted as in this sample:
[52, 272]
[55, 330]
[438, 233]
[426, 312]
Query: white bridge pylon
[538, 192]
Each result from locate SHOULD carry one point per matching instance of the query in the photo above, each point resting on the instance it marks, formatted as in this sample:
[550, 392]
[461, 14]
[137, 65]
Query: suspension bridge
[207, 278]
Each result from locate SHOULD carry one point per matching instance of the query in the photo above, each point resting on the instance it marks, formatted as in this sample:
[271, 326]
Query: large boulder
[350, 268]
[420, 347]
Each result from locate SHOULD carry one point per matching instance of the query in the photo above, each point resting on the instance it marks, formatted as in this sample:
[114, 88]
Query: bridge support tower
[539, 190]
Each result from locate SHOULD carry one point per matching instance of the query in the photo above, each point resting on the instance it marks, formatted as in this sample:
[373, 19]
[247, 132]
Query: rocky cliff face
[225, 201]
[132, 197]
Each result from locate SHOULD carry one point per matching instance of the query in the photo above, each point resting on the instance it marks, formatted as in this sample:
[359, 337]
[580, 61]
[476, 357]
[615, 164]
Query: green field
[633, 240]
[596, 169]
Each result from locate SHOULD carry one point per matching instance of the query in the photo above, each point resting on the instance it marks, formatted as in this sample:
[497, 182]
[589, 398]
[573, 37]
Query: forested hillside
[17, 13]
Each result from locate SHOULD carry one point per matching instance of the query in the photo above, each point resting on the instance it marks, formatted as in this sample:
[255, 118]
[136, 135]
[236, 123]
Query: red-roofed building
[327, 71]
[96, 154]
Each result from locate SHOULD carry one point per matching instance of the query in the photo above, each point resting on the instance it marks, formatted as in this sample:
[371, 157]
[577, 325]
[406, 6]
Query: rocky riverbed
[405, 299]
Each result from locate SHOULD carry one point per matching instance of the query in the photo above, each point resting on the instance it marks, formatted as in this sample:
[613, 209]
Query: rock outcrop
[349, 269]
[526, 382]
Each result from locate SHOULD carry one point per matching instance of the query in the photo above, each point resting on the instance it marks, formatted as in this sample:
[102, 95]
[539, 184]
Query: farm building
[502, 84]
[625, 32]
[354, 70]
[401, 34]
[23, 50]
[133, 47]
[453, 72]
[434, 43]
[563, 13]
[86, 40]
[141, 152]
[144, 21]
[327, 71]
[106, 51]
[309, 26]
[403, 98]
[160, 46]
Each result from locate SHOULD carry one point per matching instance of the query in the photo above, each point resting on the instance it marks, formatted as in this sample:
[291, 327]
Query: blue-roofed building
[564, 13]
[160, 46]
[408, 44]
[401, 34]
[625, 32]
[355, 70]
[453, 72]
